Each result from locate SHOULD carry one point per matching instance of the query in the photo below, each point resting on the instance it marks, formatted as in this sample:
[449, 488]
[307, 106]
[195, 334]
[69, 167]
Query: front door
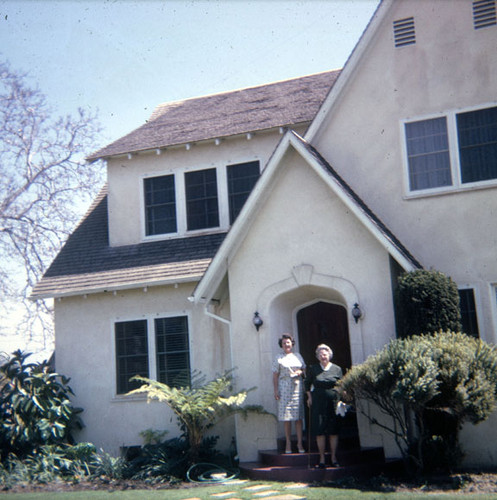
[324, 323]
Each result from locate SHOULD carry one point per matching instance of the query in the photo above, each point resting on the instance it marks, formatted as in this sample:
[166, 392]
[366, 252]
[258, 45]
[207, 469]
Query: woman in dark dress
[321, 378]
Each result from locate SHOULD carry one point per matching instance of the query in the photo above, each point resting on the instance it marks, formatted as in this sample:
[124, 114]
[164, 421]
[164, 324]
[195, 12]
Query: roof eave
[148, 150]
[81, 291]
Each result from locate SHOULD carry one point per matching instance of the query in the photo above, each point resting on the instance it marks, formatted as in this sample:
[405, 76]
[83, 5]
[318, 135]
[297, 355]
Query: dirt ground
[457, 483]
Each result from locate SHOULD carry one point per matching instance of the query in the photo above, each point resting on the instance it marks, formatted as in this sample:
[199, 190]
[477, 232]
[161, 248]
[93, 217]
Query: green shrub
[426, 302]
[428, 386]
[35, 407]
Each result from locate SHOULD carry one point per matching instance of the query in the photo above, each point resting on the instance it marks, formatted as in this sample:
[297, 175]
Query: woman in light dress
[288, 373]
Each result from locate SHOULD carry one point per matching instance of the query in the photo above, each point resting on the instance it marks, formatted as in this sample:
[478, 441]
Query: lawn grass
[244, 490]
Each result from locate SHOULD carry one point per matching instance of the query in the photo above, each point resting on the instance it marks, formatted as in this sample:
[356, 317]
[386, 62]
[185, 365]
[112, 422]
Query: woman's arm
[275, 385]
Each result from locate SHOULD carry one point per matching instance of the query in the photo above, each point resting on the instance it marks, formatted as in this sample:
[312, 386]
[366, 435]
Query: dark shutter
[173, 351]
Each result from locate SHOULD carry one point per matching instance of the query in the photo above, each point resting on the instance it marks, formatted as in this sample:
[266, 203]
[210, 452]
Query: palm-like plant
[199, 405]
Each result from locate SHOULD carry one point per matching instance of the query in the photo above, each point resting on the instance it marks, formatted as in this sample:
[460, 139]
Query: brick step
[345, 456]
[264, 472]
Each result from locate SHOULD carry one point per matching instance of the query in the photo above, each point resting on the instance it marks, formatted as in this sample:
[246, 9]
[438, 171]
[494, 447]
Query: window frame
[453, 146]
[151, 345]
[180, 194]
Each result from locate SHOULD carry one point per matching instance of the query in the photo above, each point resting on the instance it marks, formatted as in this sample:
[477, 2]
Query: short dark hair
[284, 337]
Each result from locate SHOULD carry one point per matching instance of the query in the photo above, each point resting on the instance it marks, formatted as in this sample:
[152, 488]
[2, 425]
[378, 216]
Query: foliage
[200, 405]
[426, 302]
[44, 180]
[422, 381]
[35, 406]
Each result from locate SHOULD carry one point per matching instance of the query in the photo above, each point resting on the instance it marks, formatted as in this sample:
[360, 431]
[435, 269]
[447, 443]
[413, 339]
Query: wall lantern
[257, 321]
[356, 312]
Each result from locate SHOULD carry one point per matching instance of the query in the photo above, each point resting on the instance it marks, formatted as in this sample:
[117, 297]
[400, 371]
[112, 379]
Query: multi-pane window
[473, 144]
[170, 349]
[202, 209]
[160, 205]
[131, 353]
[428, 154]
[241, 180]
[469, 318]
[477, 134]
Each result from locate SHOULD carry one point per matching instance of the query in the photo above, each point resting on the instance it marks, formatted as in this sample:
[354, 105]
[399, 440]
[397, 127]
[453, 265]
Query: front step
[354, 461]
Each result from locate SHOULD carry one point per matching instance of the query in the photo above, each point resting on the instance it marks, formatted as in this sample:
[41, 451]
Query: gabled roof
[280, 104]
[87, 264]
[218, 267]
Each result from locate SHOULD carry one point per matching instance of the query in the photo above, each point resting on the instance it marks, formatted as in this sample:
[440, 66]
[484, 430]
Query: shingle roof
[87, 263]
[279, 104]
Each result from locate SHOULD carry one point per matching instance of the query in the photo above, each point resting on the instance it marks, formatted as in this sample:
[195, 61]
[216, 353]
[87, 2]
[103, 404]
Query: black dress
[324, 420]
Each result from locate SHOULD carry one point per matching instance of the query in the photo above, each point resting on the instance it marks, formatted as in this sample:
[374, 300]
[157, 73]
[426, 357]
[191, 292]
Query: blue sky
[124, 57]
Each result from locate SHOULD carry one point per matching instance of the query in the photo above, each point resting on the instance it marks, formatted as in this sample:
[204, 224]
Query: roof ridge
[167, 104]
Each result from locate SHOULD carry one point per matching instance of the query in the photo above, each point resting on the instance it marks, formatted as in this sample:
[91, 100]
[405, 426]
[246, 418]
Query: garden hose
[212, 473]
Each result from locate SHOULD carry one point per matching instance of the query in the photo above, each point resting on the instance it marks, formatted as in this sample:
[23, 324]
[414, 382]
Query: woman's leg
[321, 442]
[333, 448]
[288, 436]
[298, 428]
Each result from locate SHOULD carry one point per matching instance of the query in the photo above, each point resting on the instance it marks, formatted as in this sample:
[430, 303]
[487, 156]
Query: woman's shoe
[320, 466]
[301, 450]
[335, 464]
[288, 451]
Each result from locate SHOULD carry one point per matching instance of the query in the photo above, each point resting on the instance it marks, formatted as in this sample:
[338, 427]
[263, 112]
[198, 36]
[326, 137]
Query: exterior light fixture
[356, 312]
[257, 321]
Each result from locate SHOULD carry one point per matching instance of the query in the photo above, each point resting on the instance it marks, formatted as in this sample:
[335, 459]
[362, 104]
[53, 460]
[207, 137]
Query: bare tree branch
[45, 186]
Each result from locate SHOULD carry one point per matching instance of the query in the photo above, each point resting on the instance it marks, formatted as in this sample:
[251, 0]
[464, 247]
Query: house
[296, 200]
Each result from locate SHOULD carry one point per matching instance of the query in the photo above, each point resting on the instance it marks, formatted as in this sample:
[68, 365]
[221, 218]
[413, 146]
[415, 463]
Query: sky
[122, 58]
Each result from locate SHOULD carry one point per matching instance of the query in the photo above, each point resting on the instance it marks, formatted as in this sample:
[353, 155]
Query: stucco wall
[451, 67]
[85, 352]
[302, 223]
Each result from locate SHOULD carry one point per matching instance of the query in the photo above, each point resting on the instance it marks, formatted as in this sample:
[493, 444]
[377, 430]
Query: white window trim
[493, 309]
[152, 351]
[457, 185]
[179, 186]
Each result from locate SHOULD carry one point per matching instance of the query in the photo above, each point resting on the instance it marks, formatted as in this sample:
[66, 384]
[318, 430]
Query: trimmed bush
[427, 386]
[426, 302]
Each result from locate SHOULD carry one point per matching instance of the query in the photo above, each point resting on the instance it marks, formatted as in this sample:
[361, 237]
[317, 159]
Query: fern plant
[200, 405]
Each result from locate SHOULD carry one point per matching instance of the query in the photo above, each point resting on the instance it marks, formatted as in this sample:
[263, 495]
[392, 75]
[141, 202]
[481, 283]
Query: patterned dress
[324, 420]
[290, 386]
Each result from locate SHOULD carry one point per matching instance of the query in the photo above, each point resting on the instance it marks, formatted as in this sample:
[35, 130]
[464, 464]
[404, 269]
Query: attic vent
[403, 32]
[484, 13]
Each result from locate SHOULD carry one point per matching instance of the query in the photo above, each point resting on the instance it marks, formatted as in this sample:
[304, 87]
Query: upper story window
[241, 180]
[452, 151]
[160, 205]
[197, 200]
